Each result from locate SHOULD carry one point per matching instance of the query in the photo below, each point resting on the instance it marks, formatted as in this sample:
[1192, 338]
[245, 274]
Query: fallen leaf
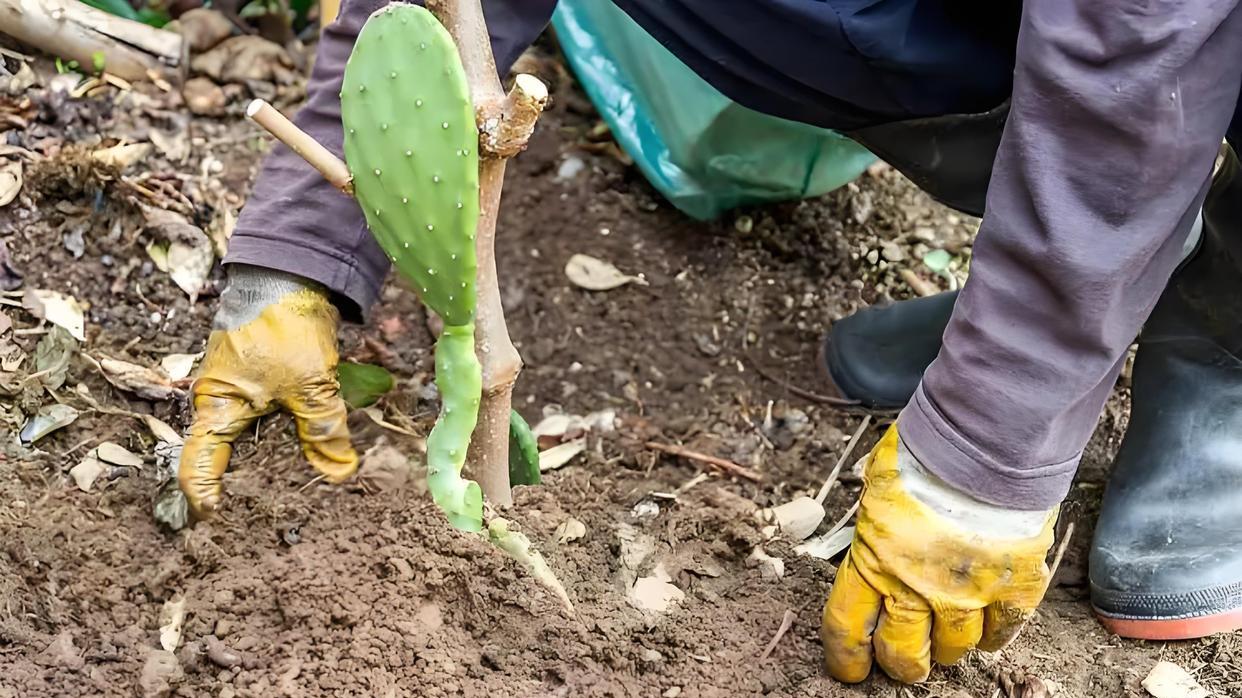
[377, 416]
[558, 456]
[596, 274]
[10, 278]
[828, 545]
[52, 356]
[10, 182]
[189, 254]
[117, 454]
[770, 568]
[797, 519]
[160, 429]
[1168, 680]
[385, 469]
[203, 28]
[242, 59]
[175, 145]
[139, 380]
[204, 97]
[172, 618]
[655, 593]
[170, 507]
[570, 530]
[363, 384]
[86, 472]
[22, 80]
[57, 308]
[123, 155]
[179, 366]
[48, 419]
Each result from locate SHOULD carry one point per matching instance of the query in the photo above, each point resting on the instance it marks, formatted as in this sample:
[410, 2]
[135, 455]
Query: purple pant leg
[298, 223]
[1119, 108]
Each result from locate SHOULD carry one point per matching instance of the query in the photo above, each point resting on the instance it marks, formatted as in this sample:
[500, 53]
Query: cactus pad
[411, 146]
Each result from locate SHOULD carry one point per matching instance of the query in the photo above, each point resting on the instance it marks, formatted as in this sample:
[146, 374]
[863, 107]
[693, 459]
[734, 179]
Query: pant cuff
[947, 453]
[355, 290]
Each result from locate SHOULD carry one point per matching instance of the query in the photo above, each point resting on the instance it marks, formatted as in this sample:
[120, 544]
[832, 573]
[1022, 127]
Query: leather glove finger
[221, 413]
[903, 637]
[850, 616]
[954, 632]
[320, 415]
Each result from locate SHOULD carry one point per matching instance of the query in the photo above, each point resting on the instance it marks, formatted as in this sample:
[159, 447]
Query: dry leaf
[123, 155]
[570, 530]
[172, 618]
[117, 454]
[47, 420]
[10, 182]
[826, 546]
[175, 145]
[179, 366]
[162, 431]
[796, 519]
[85, 473]
[377, 416]
[242, 59]
[596, 274]
[558, 456]
[656, 593]
[203, 28]
[57, 308]
[139, 380]
[1168, 680]
[189, 254]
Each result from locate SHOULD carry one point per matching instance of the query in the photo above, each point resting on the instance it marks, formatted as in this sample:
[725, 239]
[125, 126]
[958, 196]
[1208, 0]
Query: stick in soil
[786, 623]
[517, 546]
[1056, 559]
[836, 469]
[725, 466]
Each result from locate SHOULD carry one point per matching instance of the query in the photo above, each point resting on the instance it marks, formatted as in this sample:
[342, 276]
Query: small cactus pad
[523, 452]
[412, 147]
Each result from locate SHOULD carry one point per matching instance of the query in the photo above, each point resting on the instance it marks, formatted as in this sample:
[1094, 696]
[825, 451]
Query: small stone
[873, 256]
[672, 692]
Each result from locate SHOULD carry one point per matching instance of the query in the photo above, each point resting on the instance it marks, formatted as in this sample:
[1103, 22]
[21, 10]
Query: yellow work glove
[273, 345]
[932, 572]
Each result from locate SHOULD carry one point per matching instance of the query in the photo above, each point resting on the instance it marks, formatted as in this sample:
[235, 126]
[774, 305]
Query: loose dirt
[303, 589]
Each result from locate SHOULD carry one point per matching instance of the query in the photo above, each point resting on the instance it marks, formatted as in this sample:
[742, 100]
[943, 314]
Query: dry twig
[836, 469]
[721, 464]
[786, 623]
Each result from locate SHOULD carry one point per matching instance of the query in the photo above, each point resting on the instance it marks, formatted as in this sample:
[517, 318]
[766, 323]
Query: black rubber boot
[877, 356]
[1166, 561]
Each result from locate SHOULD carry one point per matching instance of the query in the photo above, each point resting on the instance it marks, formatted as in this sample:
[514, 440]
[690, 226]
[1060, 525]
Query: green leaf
[97, 61]
[363, 384]
[523, 452]
[937, 261]
[120, 8]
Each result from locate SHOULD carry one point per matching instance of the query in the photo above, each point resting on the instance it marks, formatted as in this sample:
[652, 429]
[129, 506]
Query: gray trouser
[1118, 107]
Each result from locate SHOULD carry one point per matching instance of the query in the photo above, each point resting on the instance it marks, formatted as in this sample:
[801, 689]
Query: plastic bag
[703, 152]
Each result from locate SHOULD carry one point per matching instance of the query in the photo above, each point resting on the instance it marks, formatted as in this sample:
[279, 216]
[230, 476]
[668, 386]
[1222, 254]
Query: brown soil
[363, 590]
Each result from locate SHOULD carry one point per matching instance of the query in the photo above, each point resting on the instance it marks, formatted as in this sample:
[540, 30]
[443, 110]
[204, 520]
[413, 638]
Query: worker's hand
[272, 345]
[932, 573]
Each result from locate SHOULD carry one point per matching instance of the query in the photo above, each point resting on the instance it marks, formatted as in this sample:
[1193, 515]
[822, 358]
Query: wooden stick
[721, 464]
[311, 150]
[505, 125]
[845, 518]
[1056, 560]
[836, 469]
[75, 31]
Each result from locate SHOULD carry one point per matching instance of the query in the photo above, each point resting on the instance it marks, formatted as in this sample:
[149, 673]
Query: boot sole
[1171, 628]
[834, 391]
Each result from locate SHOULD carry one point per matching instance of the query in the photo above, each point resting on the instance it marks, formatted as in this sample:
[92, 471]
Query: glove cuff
[251, 289]
[963, 510]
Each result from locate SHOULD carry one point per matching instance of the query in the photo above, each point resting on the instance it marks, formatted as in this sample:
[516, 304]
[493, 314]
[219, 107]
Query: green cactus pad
[523, 452]
[411, 145]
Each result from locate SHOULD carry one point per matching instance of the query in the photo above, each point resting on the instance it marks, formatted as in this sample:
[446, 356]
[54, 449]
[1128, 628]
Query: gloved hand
[932, 572]
[272, 345]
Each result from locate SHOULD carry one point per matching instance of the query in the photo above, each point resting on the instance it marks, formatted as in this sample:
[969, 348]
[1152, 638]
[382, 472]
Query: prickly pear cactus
[410, 143]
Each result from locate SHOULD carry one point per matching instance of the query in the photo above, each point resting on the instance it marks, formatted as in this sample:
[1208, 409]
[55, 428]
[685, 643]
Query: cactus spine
[411, 146]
